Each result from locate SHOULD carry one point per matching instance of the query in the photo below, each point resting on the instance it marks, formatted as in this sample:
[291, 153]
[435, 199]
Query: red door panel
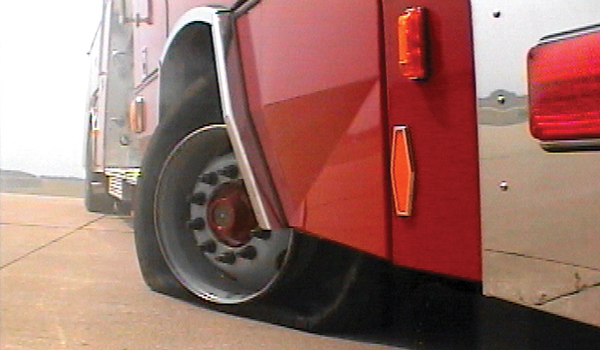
[443, 233]
[314, 86]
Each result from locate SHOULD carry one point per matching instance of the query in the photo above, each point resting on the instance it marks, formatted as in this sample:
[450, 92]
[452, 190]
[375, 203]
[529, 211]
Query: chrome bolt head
[210, 178]
[198, 198]
[226, 258]
[209, 246]
[248, 252]
[230, 171]
[196, 224]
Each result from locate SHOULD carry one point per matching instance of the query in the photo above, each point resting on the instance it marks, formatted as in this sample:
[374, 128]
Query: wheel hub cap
[230, 215]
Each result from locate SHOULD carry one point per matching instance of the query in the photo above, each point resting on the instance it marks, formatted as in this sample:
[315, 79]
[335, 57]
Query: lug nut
[198, 198]
[210, 178]
[226, 258]
[261, 234]
[230, 171]
[208, 247]
[248, 252]
[196, 224]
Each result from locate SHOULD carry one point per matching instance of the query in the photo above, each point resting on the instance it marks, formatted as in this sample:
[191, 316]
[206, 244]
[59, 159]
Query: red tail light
[564, 88]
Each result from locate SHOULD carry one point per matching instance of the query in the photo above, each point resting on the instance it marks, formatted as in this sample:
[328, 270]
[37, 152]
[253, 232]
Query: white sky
[43, 83]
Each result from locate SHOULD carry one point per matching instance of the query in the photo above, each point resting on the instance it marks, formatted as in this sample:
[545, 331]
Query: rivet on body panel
[496, 13]
[124, 140]
[503, 186]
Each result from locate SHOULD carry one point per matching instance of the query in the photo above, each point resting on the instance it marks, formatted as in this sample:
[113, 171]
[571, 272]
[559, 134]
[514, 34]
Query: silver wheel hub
[206, 227]
[230, 239]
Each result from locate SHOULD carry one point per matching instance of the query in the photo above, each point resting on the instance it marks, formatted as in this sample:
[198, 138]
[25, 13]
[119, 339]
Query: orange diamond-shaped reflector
[403, 175]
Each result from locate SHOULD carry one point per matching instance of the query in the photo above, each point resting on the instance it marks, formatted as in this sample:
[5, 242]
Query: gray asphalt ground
[69, 280]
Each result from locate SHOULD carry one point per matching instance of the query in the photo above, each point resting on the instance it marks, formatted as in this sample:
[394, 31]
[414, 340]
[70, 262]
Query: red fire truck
[281, 153]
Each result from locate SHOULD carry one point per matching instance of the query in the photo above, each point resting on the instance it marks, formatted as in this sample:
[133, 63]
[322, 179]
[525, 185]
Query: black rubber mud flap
[101, 203]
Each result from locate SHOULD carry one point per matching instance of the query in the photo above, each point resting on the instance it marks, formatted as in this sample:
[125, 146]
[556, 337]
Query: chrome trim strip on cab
[243, 6]
[147, 80]
[264, 201]
[571, 145]
[570, 33]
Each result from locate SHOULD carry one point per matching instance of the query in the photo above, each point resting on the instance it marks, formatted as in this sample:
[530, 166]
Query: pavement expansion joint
[58, 239]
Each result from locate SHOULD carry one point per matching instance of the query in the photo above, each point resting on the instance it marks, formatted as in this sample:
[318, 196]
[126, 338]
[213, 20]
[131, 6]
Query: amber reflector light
[564, 89]
[402, 170]
[137, 114]
[412, 43]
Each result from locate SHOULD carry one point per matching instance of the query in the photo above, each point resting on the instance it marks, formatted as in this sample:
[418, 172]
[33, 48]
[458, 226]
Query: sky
[43, 84]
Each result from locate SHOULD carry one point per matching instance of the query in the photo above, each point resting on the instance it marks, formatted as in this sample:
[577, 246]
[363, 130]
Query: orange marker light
[412, 43]
[137, 114]
[403, 175]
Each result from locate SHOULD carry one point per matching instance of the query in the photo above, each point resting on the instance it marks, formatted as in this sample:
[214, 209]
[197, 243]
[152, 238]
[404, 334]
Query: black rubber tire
[336, 290]
[155, 271]
[322, 287]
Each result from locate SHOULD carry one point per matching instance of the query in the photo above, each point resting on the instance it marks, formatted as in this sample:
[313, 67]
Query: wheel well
[188, 85]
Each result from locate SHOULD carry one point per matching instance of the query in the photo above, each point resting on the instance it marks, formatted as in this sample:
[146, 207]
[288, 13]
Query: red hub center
[230, 215]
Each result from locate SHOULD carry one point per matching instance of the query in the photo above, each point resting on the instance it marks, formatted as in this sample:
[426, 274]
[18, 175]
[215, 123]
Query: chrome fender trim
[263, 196]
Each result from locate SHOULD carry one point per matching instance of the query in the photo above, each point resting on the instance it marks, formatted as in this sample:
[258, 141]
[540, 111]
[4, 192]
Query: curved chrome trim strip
[570, 33]
[571, 145]
[148, 79]
[243, 6]
[208, 15]
[233, 100]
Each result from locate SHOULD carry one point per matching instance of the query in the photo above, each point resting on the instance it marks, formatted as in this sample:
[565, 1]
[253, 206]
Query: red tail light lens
[564, 88]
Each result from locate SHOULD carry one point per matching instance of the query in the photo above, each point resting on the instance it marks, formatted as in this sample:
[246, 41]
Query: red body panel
[149, 39]
[443, 234]
[317, 93]
[314, 88]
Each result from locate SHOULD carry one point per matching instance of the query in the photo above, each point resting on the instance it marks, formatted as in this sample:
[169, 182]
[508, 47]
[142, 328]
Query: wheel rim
[205, 226]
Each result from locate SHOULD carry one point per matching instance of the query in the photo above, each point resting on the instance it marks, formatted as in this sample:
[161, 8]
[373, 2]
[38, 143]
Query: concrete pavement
[69, 280]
